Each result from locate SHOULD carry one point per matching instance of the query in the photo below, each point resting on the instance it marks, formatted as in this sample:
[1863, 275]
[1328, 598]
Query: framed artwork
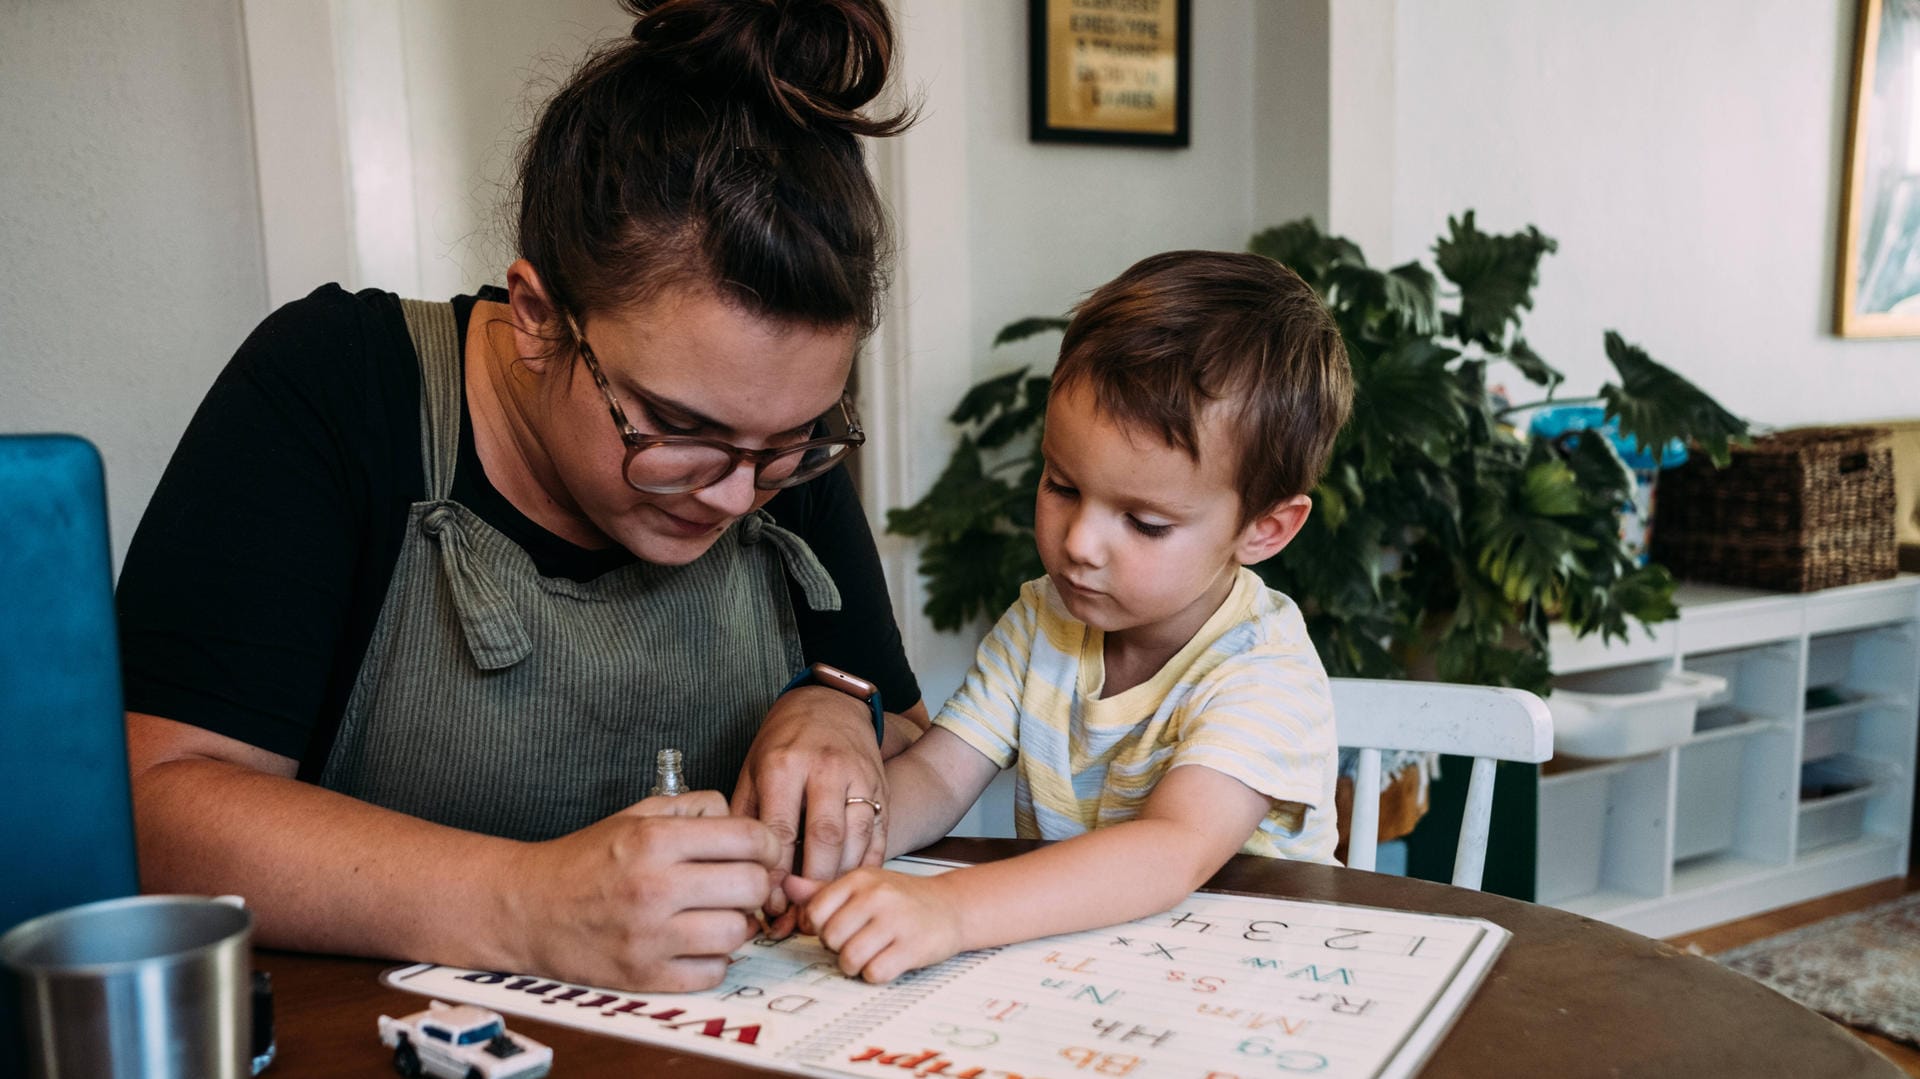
[1879, 267]
[1109, 71]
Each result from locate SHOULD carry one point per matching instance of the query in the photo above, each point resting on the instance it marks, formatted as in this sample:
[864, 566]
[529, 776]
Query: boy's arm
[883, 924]
[1194, 821]
[933, 784]
[902, 729]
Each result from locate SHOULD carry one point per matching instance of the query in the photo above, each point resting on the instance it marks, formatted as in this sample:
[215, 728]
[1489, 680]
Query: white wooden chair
[1481, 722]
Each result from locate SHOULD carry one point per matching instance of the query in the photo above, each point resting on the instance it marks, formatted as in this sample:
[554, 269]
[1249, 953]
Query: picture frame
[1878, 289]
[1110, 71]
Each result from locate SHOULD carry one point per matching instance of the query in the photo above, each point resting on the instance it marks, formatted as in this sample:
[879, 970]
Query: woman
[426, 586]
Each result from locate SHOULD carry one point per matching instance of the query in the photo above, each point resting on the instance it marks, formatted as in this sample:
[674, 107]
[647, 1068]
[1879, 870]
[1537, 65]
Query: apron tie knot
[816, 584]
[495, 635]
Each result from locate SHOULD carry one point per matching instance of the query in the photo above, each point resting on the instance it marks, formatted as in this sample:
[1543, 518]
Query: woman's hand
[881, 924]
[815, 760]
[654, 897]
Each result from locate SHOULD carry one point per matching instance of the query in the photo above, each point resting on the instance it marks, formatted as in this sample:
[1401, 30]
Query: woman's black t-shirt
[252, 585]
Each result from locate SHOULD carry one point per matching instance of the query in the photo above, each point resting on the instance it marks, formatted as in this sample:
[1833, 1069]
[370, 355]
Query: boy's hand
[882, 924]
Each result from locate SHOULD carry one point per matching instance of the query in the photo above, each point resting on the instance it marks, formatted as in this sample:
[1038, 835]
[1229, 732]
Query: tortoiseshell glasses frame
[679, 464]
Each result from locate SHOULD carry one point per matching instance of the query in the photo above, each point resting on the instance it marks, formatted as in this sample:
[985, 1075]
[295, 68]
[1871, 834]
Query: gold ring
[866, 802]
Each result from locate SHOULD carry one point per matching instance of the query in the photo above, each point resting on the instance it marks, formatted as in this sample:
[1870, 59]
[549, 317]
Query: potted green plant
[1444, 539]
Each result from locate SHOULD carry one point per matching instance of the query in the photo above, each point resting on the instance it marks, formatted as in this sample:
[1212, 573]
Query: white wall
[130, 224]
[1291, 88]
[1687, 158]
[388, 133]
[476, 70]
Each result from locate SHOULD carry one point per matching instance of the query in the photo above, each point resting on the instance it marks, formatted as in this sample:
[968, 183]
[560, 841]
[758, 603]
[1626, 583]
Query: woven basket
[1794, 511]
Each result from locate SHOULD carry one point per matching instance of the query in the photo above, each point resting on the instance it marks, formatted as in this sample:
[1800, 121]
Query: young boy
[1165, 709]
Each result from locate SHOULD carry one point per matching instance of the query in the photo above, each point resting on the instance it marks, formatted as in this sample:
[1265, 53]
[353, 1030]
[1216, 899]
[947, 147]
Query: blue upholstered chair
[66, 817]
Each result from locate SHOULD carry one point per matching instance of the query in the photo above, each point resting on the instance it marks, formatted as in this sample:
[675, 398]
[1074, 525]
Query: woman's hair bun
[816, 61]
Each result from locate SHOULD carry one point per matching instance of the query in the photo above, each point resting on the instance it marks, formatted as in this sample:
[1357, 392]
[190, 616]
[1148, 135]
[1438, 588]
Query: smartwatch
[823, 674]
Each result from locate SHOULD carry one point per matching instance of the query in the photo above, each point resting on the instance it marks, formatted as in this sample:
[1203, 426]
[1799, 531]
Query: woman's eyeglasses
[677, 464]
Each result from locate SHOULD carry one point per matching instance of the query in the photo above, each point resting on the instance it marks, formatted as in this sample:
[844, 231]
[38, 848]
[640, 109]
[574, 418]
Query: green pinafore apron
[496, 700]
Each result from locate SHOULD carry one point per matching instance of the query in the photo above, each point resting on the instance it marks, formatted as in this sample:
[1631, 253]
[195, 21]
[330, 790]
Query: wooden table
[1568, 997]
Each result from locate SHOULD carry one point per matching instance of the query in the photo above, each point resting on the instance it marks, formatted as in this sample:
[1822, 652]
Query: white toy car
[462, 1041]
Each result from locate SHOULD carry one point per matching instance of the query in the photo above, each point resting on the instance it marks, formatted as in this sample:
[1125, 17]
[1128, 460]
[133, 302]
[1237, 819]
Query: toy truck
[462, 1041]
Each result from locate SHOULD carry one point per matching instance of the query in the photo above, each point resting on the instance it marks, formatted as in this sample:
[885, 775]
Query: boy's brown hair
[1181, 330]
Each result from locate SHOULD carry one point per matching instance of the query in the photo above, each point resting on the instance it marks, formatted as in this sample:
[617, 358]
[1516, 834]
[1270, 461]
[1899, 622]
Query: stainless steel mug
[150, 987]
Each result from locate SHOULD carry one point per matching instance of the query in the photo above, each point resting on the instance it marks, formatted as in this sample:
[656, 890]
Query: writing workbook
[1221, 986]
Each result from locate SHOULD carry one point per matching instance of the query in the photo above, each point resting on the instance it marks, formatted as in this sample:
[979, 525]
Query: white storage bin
[1627, 711]
[1723, 665]
[1707, 800]
[1713, 719]
[1573, 822]
[1836, 817]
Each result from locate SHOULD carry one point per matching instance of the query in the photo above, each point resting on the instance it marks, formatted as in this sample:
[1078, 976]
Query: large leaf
[1303, 248]
[1338, 494]
[1480, 609]
[1470, 378]
[1426, 497]
[1411, 297]
[1030, 326]
[1350, 651]
[1655, 405]
[987, 397]
[1383, 306]
[1495, 276]
[1405, 401]
[1550, 489]
[1463, 658]
[1537, 370]
[967, 496]
[1641, 593]
[1526, 527]
[1598, 471]
[1333, 571]
[976, 574]
[1021, 417]
[1646, 594]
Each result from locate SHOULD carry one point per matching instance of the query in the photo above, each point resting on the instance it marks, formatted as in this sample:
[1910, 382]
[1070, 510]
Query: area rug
[1862, 968]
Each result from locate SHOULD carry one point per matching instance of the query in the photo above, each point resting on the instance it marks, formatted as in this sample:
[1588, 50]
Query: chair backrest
[66, 815]
[1481, 722]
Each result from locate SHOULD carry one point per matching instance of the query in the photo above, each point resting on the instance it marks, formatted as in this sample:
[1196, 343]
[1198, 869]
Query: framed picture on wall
[1879, 266]
[1112, 71]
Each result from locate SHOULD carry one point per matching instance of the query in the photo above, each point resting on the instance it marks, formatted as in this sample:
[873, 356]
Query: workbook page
[1221, 986]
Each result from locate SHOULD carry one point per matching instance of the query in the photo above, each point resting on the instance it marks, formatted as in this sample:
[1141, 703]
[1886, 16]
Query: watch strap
[807, 677]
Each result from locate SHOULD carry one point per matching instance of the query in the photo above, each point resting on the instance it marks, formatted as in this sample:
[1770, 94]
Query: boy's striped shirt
[1247, 697]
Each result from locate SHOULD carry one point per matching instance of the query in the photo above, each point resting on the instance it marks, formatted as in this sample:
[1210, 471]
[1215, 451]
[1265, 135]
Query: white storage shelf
[1796, 779]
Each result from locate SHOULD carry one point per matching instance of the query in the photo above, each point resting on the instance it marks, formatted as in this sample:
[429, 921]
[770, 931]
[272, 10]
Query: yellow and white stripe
[1247, 697]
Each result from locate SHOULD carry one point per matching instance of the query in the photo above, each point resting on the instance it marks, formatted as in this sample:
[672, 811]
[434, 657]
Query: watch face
[842, 681]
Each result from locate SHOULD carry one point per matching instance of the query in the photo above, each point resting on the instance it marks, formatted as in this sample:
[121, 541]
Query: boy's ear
[539, 333]
[1265, 535]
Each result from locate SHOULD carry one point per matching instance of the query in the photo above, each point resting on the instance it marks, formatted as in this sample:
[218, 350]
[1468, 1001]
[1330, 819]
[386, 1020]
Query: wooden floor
[1720, 938]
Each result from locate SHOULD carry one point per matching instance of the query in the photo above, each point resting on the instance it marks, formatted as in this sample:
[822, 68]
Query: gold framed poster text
[1112, 71]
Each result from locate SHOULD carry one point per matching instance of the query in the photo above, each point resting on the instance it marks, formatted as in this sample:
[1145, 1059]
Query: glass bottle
[667, 778]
